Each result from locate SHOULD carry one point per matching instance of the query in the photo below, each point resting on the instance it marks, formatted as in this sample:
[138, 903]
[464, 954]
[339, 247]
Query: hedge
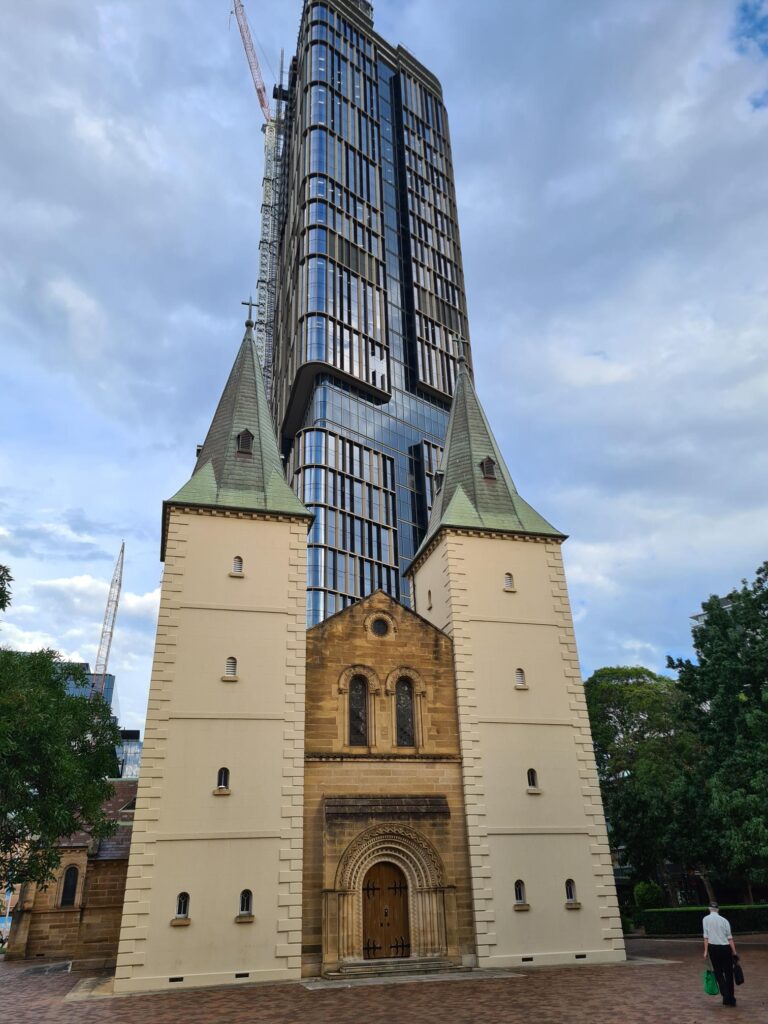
[687, 920]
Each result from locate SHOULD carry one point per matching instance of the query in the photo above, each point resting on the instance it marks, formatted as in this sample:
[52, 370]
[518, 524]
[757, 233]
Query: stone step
[399, 965]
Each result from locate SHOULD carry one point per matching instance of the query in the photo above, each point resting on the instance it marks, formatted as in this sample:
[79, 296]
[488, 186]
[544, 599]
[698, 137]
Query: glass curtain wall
[370, 302]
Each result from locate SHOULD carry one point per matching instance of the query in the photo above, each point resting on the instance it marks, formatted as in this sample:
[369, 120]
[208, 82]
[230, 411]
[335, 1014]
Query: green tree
[5, 587]
[726, 694]
[58, 750]
[650, 771]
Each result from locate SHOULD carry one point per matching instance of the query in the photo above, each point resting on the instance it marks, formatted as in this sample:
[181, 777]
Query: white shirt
[716, 929]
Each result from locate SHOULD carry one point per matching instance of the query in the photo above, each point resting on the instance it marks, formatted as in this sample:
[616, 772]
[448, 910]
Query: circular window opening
[380, 627]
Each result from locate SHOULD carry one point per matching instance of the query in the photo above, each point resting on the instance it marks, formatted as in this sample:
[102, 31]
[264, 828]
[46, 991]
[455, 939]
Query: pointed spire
[476, 490]
[239, 466]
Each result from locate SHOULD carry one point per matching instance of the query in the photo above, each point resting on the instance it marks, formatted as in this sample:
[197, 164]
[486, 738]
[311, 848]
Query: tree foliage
[683, 764]
[58, 750]
[726, 694]
[641, 749]
[5, 587]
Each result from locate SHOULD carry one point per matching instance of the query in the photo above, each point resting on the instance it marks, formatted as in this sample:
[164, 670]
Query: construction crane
[99, 677]
[266, 285]
[253, 60]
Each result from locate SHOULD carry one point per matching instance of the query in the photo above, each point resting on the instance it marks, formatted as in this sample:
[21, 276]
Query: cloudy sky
[611, 162]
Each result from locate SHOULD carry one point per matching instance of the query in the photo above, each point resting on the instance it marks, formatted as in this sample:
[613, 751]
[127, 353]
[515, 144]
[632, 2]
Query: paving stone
[661, 984]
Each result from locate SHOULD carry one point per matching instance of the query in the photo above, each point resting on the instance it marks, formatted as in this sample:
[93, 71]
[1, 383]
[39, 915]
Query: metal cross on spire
[250, 304]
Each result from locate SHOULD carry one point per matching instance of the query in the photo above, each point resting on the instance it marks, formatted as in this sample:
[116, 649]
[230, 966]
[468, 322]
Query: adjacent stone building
[77, 916]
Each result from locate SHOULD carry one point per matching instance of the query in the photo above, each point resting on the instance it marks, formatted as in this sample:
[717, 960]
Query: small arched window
[69, 888]
[404, 713]
[246, 902]
[245, 442]
[222, 779]
[231, 667]
[429, 600]
[358, 712]
[237, 565]
[519, 891]
[509, 582]
[533, 779]
[520, 682]
[182, 904]
[570, 890]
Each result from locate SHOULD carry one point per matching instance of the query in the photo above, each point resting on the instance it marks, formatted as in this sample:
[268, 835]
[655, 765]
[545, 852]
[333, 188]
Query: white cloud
[613, 218]
[141, 605]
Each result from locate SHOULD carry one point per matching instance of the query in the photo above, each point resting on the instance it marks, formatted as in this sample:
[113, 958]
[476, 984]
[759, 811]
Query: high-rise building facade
[370, 302]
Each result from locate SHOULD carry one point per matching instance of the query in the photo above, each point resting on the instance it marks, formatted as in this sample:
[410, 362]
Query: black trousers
[722, 965]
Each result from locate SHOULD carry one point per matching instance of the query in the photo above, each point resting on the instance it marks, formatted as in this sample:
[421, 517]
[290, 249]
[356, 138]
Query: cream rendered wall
[185, 838]
[558, 833]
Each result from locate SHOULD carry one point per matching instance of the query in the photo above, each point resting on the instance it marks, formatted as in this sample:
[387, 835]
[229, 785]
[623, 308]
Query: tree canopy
[58, 751]
[683, 764]
[641, 747]
[726, 695]
[5, 587]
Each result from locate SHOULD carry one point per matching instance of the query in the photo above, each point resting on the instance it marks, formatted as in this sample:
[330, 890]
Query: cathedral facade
[393, 789]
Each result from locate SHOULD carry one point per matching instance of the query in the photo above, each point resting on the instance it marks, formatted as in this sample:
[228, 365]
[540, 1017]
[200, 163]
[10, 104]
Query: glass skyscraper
[370, 300]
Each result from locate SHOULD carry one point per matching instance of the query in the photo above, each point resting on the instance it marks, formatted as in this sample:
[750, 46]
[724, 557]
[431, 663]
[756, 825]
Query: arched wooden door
[385, 913]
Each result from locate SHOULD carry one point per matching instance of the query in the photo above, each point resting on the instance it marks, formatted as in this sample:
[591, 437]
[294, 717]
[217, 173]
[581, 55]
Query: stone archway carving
[422, 866]
[419, 686]
[359, 670]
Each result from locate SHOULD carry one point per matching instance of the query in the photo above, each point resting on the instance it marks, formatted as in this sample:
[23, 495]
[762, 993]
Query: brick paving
[639, 991]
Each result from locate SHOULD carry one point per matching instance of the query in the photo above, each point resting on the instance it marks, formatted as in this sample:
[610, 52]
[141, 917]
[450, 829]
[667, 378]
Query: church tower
[490, 574]
[214, 879]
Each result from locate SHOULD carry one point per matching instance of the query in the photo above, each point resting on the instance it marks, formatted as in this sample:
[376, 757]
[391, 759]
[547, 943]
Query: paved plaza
[661, 983]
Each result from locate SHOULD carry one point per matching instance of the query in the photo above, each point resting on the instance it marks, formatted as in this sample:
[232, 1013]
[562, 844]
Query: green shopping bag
[710, 984]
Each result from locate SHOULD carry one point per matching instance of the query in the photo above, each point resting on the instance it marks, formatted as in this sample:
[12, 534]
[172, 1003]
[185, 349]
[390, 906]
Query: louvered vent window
[488, 468]
[245, 442]
[237, 564]
[231, 669]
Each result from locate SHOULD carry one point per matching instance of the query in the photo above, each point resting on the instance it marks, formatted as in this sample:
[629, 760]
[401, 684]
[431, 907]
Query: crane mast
[266, 285]
[99, 676]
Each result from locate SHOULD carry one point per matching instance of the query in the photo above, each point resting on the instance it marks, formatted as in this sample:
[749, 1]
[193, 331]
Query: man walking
[720, 947]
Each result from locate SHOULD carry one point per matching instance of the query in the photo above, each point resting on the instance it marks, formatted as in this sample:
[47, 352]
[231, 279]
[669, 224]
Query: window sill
[245, 919]
[521, 686]
[230, 679]
[222, 791]
[180, 922]
[237, 575]
[533, 790]
[572, 905]
[521, 906]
